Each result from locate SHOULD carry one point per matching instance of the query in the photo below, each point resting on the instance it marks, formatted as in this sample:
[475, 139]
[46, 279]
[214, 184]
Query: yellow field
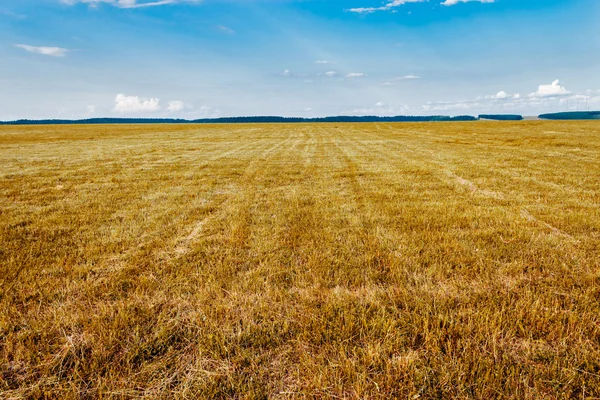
[354, 261]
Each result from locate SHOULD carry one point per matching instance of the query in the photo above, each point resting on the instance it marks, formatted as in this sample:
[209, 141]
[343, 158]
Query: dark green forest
[572, 115]
[502, 117]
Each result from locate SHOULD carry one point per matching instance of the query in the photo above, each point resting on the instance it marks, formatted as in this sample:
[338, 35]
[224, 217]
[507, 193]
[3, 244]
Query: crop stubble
[437, 260]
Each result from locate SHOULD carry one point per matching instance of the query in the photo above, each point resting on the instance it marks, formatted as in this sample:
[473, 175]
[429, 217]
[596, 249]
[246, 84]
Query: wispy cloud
[12, 14]
[455, 2]
[176, 106]
[385, 7]
[397, 3]
[287, 72]
[397, 80]
[127, 3]
[381, 109]
[44, 50]
[226, 29]
[352, 75]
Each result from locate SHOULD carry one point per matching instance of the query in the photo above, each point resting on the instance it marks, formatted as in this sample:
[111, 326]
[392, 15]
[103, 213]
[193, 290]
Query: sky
[309, 58]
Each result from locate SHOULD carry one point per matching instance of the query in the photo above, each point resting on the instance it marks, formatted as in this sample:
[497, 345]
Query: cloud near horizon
[135, 104]
[552, 90]
[552, 94]
[502, 95]
[176, 106]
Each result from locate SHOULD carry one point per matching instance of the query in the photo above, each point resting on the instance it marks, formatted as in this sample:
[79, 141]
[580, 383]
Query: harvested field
[349, 261]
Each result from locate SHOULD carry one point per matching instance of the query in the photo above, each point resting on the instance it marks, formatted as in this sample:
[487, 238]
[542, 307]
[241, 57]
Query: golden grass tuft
[350, 261]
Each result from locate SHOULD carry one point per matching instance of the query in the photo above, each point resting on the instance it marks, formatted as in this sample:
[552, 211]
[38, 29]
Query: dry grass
[345, 261]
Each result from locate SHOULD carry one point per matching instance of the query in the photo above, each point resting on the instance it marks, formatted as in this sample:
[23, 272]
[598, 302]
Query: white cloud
[324, 62]
[501, 95]
[331, 73]
[386, 7]
[288, 73]
[176, 106]
[127, 3]
[91, 109]
[126, 104]
[455, 2]
[380, 104]
[354, 75]
[47, 51]
[397, 3]
[548, 98]
[552, 90]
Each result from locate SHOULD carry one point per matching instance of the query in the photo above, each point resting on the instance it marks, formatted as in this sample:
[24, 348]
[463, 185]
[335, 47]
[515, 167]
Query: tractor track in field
[378, 257]
[428, 156]
[247, 191]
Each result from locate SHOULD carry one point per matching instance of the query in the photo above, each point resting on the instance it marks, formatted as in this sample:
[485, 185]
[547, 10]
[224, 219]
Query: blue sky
[191, 59]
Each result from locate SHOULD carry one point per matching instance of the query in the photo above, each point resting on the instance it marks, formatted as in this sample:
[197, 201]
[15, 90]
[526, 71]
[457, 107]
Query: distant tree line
[572, 115]
[233, 120]
[95, 121]
[579, 115]
[502, 117]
